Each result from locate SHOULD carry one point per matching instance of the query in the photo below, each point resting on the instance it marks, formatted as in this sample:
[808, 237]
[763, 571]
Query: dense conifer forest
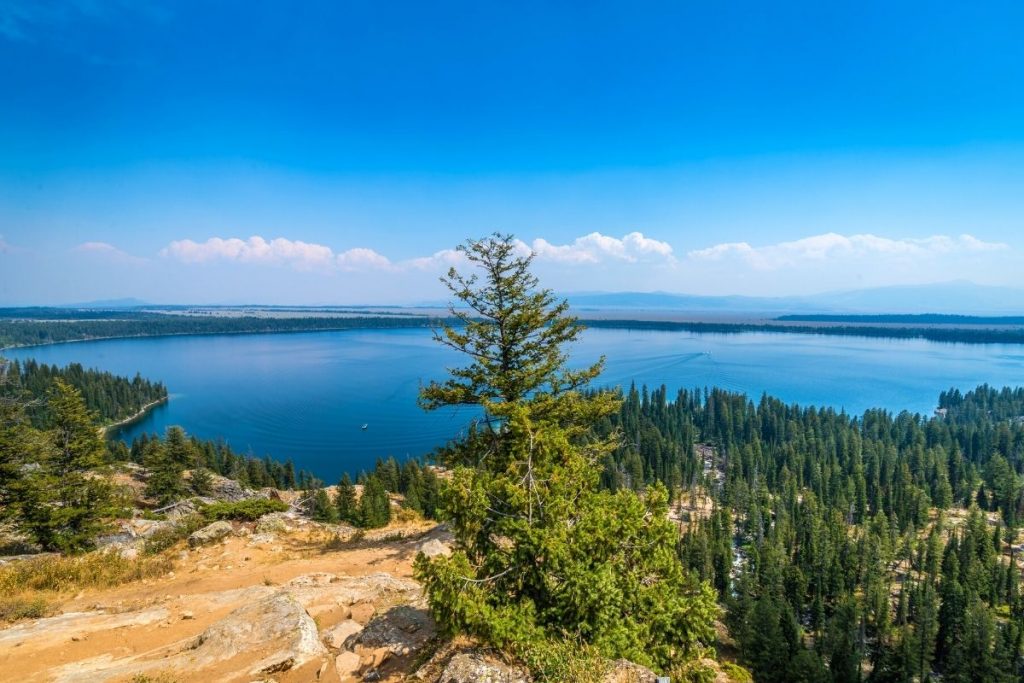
[110, 397]
[880, 547]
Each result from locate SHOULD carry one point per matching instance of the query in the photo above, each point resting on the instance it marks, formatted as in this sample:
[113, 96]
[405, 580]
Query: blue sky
[334, 153]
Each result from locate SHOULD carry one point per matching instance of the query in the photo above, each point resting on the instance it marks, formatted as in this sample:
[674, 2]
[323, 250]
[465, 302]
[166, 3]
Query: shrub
[17, 607]
[564, 661]
[162, 539]
[248, 510]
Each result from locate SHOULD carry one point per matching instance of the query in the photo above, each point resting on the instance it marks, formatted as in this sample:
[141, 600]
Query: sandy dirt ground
[158, 618]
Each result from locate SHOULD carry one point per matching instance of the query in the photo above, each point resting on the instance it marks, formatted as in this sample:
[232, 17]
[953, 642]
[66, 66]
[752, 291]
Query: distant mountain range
[108, 304]
[957, 297]
[965, 298]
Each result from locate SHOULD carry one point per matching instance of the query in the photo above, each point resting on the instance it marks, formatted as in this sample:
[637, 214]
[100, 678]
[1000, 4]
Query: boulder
[347, 664]
[401, 630]
[273, 523]
[183, 508]
[277, 623]
[435, 547]
[336, 635]
[320, 592]
[229, 490]
[625, 671]
[473, 667]
[210, 533]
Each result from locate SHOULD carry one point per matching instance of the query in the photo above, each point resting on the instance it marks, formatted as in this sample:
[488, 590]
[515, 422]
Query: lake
[306, 396]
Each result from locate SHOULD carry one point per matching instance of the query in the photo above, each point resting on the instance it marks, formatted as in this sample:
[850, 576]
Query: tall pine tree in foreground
[543, 555]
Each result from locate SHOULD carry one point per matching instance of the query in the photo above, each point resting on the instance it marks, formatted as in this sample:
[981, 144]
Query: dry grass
[65, 574]
[21, 606]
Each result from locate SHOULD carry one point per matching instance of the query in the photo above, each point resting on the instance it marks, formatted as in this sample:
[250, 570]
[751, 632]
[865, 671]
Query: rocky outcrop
[278, 623]
[401, 630]
[210, 533]
[625, 671]
[434, 547]
[473, 667]
[335, 636]
[274, 523]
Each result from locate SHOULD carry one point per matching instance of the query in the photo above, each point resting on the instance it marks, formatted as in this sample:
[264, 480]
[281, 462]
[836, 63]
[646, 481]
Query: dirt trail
[156, 619]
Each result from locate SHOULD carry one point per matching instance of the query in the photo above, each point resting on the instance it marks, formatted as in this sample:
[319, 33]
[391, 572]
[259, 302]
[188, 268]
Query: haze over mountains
[956, 297]
[959, 297]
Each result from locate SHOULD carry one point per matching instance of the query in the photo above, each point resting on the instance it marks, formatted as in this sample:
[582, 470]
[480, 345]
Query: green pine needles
[542, 554]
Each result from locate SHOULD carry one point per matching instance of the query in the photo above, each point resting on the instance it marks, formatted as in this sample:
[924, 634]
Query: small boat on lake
[365, 427]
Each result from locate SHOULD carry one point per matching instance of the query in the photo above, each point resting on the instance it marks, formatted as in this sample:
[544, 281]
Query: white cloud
[595, 248]
[833, 246]
[108, 251]
[589, 249]
[361, 258]
[299, 254]
[446, 258]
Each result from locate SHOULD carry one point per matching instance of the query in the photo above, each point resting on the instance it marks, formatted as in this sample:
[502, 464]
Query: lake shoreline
[305, 396]
[893, 331]
[131, 419]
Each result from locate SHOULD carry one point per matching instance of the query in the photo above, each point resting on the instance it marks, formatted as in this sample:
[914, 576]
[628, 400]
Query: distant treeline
[908, 319]
[24, 332]
[32, 326]
[961, 335]
[110, 397]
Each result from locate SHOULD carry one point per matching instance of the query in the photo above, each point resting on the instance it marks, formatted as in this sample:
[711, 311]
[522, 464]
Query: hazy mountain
[108, 303]
[959, 297]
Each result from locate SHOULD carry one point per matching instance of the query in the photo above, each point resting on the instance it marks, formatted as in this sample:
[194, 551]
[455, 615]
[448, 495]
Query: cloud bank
[593, 248]
[834, 247]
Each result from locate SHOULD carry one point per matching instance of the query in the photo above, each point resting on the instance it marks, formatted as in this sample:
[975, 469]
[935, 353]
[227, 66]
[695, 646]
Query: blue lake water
[306, 396]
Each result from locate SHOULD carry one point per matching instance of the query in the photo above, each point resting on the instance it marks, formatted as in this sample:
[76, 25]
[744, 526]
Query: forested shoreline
[21, 333]
[112, 398]
[53, 326]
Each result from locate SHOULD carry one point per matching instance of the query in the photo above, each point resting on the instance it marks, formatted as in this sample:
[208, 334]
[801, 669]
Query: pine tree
[21, 448]
[764, 644]
[322, 509]
[374, 504]
[67, 503]
[166, 461]
[540, 551]
[972, 658]
[348, 510]
[201, 481]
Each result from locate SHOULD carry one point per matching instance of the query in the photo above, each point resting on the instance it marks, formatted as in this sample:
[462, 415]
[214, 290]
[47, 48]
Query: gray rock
[472, 667]
[625, 671]
[210, 534]
[320, 592]
[273, 523]
[401, 630]
[435, 547]
[347, 664]
[183, 508]
[336, 635]
[277, 622]
[229, 490]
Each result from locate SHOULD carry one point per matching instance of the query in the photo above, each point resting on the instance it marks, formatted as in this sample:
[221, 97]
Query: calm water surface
[306, 396]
